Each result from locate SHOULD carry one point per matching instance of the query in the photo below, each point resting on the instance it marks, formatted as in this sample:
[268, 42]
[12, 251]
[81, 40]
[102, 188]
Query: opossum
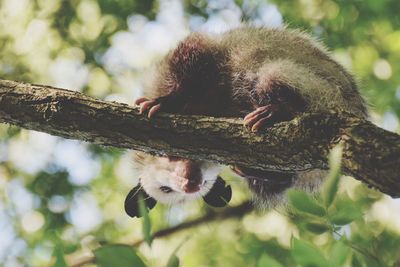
[266, 75]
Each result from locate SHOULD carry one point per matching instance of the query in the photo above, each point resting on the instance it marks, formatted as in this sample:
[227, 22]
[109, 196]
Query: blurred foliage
[63, 200]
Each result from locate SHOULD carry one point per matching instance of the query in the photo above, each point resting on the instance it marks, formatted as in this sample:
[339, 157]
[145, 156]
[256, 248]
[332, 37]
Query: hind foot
[148, 105]
[266, 116]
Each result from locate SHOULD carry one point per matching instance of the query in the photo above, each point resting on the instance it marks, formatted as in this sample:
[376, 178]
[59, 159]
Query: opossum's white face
[172, 180]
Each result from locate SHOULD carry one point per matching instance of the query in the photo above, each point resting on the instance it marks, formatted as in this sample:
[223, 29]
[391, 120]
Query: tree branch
[211, 215]
[371, 154]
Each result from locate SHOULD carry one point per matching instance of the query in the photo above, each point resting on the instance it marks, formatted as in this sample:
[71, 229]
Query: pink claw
[260, 123]
[254, 116]
[153, 110]
[140, 100]
[260, 117]
[255, 113]
[145, 105]
[148, 105]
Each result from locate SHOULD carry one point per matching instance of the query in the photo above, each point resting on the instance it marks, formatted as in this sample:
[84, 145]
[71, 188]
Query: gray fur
[257, 57]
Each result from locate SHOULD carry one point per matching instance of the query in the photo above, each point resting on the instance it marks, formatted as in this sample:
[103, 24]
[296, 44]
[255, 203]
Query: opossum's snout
[190, 174]
[173, 180]
[191, 186]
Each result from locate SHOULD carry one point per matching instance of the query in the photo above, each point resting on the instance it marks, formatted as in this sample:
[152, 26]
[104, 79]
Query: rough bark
[371, 154]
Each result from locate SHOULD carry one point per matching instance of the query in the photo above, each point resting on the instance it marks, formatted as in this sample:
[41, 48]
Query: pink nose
[191, 186]
[191, 174]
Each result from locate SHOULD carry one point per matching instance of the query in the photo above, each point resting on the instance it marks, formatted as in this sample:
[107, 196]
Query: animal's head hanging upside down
[266, 75]
[172, 180]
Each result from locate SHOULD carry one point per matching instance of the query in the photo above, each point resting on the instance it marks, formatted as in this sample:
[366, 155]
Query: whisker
[234, 181]
[148, 197]
[137, 192]
[208, 187]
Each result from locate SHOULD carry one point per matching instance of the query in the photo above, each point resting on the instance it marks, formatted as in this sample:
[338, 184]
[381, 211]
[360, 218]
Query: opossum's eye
[166, 189]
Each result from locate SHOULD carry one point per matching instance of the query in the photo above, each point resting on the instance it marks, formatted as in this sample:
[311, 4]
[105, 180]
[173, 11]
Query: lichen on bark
[371, 154]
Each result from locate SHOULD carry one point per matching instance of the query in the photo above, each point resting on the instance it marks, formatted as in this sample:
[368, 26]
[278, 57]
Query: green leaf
[59, 255]
[117, 255]
[173, 261]
[267, 261]
[273, 248]
[331, 185]
[303, 202]
[307, 254]
[340, 252]
[345, 215]
[146, 223]
[356, 261]
[317, 227]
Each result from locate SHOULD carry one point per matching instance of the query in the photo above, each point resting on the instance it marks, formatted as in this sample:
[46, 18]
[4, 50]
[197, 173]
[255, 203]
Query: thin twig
[228, 213]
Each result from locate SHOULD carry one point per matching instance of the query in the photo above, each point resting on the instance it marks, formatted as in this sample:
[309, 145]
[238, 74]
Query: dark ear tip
[219, 195]
[132, 212]
[131, 204]
[227, 196]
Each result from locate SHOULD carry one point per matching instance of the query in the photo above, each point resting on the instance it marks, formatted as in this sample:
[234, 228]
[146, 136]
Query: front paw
[266, 116]
[172, 103]
[152, 106]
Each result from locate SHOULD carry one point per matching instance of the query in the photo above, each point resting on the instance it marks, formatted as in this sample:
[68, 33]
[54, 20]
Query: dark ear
[132, 201]
[219, 195]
